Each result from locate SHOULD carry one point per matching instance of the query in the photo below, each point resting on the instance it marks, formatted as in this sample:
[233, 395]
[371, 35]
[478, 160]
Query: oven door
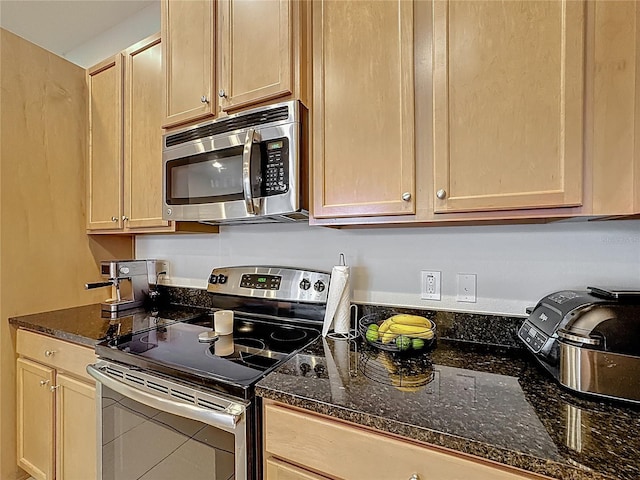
[153, 429]
[243, 175]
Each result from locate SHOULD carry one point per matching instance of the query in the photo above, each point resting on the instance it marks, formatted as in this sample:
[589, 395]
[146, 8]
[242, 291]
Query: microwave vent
[228, 125]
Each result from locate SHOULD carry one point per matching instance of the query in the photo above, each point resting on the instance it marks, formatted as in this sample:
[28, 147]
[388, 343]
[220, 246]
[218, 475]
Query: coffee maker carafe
[131, 282]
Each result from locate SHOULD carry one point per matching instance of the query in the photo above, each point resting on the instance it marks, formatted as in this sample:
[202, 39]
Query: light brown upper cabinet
[240, 52]
[524, 111]
[125, 147]
[256, 51]
[363, 108]
[188, 32]
[104, 189]
[508, 103]
[143, 135]
[614, 103]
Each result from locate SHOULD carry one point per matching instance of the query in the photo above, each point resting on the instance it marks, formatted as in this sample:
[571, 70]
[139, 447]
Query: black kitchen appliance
[589, 340]
[195, 397]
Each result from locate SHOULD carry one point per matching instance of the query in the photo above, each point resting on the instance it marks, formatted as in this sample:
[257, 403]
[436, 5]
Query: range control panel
[265, 282]
[276, 283]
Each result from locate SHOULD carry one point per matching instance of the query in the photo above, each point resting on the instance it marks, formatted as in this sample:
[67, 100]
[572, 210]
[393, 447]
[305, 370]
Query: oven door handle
[224, 421]
[247, 188]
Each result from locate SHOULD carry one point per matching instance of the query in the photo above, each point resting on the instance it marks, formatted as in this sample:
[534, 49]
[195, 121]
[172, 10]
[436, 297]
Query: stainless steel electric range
[173, 405]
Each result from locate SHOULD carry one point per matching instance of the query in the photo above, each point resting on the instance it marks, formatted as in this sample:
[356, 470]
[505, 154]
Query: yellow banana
[384, 326]
[386, 337]
[406, 319]
[412, 331]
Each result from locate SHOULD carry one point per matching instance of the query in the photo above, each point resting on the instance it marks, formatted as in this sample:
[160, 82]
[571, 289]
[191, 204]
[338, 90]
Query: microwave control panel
[275, 167]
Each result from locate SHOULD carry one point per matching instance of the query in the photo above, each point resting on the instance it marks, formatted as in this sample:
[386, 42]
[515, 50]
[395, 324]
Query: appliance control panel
[276, 166]
[532, 337]
[271, 282]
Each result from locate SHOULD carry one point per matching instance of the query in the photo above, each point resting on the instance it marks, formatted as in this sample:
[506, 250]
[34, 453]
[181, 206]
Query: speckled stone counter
[492, 402]
[86, 325]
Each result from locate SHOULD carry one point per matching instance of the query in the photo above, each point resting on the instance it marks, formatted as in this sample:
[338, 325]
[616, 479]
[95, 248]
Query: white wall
[135, 28]
[515, 264]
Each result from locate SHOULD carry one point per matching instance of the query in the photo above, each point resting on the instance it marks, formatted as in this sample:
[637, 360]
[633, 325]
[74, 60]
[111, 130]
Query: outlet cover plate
[467, 287]
[430, 285]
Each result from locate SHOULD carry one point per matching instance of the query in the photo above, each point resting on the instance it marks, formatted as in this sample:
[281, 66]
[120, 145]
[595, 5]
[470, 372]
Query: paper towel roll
[338, 302]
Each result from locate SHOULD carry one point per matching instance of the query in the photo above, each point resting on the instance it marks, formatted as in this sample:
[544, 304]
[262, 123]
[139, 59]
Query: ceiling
[63, 25]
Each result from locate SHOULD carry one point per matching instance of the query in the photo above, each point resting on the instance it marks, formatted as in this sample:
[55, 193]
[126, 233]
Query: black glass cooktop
[230, 363]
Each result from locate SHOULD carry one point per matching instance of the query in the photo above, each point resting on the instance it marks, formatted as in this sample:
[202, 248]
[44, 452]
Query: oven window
[205, 178]
[142, 443]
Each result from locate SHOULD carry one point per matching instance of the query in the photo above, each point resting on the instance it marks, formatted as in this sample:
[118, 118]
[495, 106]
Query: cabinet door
[76, 437]
[363, 109]
[257, 53]
[340, 450]
[104, 188]
[35, 419]
[277, 470]
[188, 62]
[143, 135]
[508, 102]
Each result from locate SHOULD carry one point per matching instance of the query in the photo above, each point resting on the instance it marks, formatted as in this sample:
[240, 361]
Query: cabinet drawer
[277, 470]
[350, 452]
[61, 355]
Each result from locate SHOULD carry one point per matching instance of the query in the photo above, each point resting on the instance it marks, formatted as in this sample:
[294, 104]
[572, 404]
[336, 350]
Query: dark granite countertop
[86, 325]
[488, 401]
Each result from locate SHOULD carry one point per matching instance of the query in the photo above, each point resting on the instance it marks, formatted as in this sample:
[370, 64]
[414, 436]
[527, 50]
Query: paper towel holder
[353, 332]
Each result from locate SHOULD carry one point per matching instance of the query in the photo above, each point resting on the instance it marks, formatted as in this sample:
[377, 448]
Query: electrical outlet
[467, 287]
[430, 289]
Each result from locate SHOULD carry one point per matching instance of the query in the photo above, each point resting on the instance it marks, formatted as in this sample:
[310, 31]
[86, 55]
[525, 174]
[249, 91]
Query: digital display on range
[261, 282]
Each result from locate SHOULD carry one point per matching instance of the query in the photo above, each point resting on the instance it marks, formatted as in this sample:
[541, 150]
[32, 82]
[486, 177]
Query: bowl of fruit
[399, 332]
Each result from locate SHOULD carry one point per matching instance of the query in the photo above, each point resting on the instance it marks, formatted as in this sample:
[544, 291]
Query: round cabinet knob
[44, 383]
[53, 388]
[414, 477]
[49, 353]
[305, 284]
[204, 99]
[125, 218]
[222, 93]
[318, 286]
[406, 196]
[114, 219]
[441, 194]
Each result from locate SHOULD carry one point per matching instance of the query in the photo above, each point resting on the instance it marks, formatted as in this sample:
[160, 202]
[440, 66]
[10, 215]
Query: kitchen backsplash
[516, 265]
[487, 329]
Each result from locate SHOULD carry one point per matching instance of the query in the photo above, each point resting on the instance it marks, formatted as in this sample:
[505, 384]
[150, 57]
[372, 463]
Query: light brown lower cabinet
[56, 411]
[301, 445]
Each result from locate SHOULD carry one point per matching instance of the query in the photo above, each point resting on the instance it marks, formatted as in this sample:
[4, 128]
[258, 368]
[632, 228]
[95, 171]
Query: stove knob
[305, 284]
[213, 279]
[319, 286]
[222, 278]
[319, 369]
[304, 368]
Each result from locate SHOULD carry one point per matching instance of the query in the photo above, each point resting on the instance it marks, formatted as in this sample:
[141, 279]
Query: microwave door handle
[246, 171]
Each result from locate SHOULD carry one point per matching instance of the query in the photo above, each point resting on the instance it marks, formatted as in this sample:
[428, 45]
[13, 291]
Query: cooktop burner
[240, 359]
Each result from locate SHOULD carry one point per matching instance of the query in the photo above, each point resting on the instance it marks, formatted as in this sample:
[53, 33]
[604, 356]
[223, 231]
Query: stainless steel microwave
[248, 167]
